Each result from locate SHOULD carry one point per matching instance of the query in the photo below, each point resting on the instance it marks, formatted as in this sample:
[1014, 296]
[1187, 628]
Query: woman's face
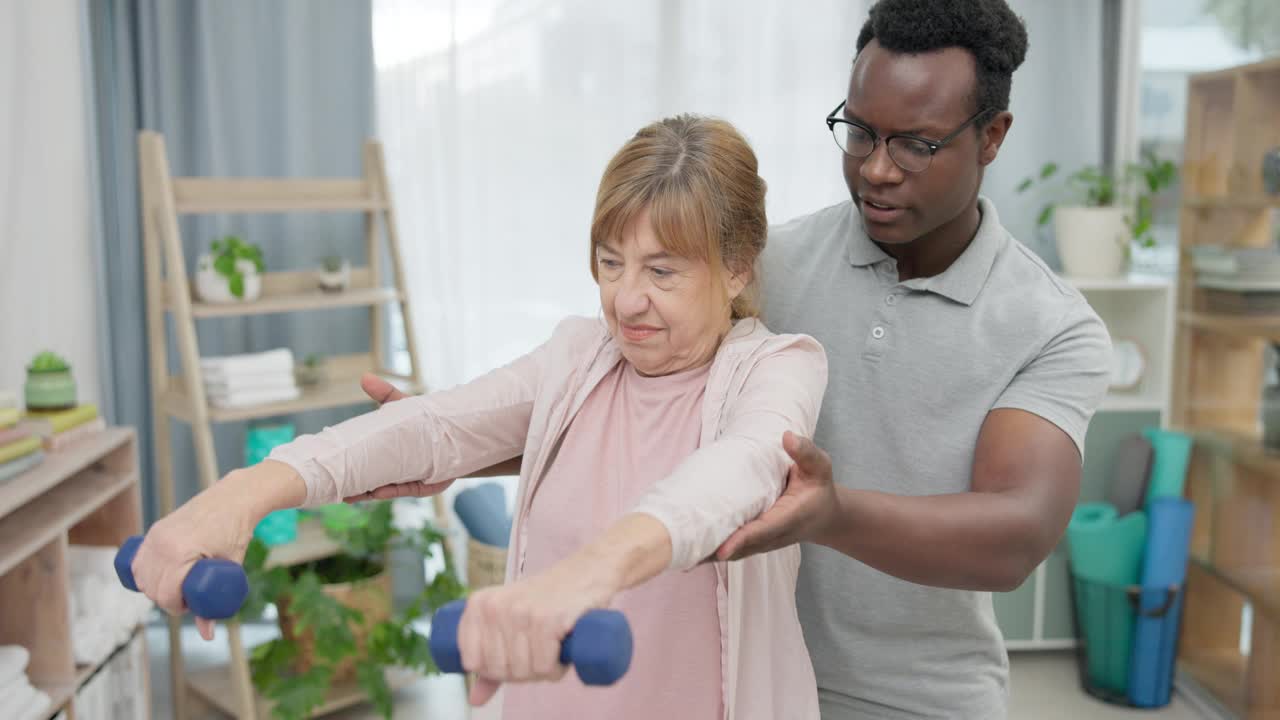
[662, 309]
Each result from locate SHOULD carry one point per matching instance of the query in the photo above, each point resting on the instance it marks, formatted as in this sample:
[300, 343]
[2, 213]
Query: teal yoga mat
[1172, 453]
[1106, 558]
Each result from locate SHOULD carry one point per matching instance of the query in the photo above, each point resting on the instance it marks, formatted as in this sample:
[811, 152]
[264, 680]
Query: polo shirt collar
[967, 275]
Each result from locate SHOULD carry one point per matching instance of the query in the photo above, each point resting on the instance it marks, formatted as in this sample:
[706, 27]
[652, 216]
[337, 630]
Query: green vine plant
[365, 533]
[1138, 183]
[226, 252]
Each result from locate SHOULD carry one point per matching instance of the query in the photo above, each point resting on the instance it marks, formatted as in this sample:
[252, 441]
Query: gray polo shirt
[915, 367]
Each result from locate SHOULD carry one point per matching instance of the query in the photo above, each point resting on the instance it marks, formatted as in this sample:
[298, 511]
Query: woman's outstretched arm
[431, 438]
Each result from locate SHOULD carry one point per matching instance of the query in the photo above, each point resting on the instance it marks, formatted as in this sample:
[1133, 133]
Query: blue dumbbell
[213, 589]
[598, 647]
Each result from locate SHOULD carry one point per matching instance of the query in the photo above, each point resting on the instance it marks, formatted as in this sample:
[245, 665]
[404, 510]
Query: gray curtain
[237, 88]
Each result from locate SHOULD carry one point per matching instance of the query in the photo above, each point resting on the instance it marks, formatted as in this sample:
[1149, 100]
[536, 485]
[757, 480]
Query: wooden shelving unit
[86, 494]
[214, 687]
[1231, 629]
[182, 395]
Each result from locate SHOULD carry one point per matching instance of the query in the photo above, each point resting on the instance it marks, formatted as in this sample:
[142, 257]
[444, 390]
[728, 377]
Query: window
[1180, 38]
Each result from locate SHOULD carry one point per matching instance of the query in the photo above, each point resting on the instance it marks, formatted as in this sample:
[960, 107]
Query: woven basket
[486, 564]
[372, 597]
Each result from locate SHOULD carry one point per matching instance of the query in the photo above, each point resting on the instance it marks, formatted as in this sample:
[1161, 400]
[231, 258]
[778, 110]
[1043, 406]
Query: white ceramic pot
[213, 287]
[336, 280]
[1093, 242]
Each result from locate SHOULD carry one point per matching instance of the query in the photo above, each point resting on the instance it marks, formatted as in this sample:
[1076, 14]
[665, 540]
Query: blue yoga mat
[1106, 557]
[1169, 465]
[483, 511]
[1164, 565]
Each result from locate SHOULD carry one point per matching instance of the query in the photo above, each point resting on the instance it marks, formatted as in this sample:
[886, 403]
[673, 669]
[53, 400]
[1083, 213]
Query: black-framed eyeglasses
[910, 152]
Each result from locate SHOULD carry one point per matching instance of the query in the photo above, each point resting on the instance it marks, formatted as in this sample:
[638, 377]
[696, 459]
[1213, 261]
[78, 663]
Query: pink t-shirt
[631, 432]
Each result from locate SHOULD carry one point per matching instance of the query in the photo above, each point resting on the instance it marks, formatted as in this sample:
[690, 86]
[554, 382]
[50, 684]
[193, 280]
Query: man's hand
[379, 390]
[803, 513]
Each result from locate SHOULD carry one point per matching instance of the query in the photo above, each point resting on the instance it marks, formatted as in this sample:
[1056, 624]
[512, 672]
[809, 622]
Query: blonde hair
[698, 178]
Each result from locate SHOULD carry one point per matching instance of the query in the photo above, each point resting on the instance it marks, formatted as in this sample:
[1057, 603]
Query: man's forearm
[972, 541]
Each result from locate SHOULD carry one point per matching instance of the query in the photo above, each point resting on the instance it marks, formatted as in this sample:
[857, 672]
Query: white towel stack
[103, 613]
[18, 699]
[237, 381]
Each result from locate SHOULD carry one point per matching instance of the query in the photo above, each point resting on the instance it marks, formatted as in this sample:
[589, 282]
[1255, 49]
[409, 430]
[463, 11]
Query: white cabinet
[1139, 311]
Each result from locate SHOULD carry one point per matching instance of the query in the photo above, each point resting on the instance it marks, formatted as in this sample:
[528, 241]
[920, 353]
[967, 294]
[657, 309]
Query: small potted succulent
[311, 371]
[335, 274]
[230, 272]
[49, 383]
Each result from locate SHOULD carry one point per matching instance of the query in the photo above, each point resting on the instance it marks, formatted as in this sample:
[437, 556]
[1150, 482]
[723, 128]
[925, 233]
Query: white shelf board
[315, 300]
[1115, 401]
[1126, 282]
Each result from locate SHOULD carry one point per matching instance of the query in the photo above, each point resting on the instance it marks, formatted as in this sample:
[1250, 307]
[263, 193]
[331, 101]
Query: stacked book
[59, 429]
[238, 381]
[1238, 280]
[19, 447]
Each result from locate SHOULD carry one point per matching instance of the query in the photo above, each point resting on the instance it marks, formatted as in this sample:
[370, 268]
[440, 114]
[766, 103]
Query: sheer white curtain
[499, 117]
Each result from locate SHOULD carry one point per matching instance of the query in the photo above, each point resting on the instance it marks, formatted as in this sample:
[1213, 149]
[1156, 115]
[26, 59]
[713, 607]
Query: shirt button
[877, 333]
[891, 299]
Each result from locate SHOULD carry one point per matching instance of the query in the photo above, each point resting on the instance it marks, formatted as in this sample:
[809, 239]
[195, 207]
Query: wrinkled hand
[805, 511]
[512, 633]
[383, 392]
[214, 524]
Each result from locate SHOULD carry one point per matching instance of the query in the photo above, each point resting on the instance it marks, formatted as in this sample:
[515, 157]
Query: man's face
[929, 95]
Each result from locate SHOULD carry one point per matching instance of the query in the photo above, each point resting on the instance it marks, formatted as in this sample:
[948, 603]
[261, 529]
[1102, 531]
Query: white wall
[47, 272]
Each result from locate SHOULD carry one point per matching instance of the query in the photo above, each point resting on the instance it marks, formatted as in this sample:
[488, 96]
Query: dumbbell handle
[213, 589]
[598, 647]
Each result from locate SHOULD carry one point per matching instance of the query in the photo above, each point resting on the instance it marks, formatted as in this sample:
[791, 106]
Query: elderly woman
[645, 439]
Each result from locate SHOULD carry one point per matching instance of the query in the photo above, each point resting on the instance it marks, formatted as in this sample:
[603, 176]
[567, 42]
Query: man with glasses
[963, 374]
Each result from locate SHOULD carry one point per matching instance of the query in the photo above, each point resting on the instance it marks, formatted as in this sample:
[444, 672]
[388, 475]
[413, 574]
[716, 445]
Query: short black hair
[988, 29]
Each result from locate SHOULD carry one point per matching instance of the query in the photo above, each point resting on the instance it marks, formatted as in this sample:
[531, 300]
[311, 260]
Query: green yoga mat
[1171, 454]
[1106, 557]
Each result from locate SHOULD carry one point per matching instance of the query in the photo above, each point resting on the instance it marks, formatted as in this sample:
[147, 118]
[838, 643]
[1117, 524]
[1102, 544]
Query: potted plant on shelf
[49, 383]
[230, 271]
[335, 614]
[1107, 213]
[311, 371]
[334, 274]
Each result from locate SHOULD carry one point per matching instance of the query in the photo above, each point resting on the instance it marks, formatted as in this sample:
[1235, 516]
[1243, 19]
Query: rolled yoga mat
[1169, 465]
[1106, 557]
[1155, 636]
[1130, 472]
[483, 511]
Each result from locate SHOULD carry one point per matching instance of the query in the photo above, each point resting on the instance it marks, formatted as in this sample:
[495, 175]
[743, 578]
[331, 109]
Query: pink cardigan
[760, 385]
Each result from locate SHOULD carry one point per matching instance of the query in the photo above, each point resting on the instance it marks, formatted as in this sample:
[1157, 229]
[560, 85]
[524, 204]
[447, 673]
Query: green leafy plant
[365, 533]
[226, 252]
[331, 263]
[1136, 186]
[48, 361]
